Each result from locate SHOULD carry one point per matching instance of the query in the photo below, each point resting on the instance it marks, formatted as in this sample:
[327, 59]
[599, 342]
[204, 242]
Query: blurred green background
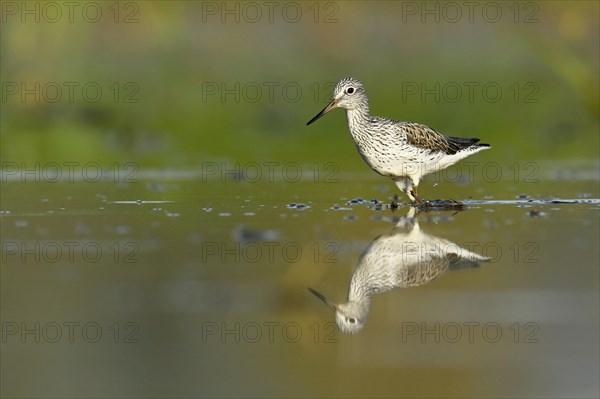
[184, 83]
[187, 82]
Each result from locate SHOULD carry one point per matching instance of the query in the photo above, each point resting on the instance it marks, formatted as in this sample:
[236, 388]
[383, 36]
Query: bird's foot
[429, 205]
[454, 205]
[418, 201]
[424, 205]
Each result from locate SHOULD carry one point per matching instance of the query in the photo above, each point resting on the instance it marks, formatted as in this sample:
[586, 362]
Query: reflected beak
[325, 300]
[325, 110]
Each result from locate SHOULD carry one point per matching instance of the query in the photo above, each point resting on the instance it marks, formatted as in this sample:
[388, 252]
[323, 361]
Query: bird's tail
[461, 143]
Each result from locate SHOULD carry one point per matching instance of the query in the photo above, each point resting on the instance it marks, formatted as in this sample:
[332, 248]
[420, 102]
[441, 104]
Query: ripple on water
[340, 208]
[361, 201]
[299, 206]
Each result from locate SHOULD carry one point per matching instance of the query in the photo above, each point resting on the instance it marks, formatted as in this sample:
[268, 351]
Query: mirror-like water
[177, 287]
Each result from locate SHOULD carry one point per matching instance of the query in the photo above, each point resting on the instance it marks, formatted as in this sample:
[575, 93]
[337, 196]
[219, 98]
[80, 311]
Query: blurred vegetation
[175, 51]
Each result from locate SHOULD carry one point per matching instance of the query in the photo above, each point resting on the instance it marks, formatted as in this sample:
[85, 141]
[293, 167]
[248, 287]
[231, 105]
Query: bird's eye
[352, 320]
[350, 90]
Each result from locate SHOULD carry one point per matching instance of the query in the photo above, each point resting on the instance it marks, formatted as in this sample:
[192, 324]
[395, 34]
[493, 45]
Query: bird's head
[348, 93]
[350, 317]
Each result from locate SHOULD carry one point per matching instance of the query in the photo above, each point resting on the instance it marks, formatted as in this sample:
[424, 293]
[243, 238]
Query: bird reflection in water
[404, 257]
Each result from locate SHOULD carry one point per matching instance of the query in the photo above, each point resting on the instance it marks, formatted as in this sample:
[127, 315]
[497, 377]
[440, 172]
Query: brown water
[171, 286]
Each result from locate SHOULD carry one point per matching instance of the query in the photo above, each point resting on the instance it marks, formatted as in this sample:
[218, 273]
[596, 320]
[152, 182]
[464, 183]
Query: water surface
[176, 286]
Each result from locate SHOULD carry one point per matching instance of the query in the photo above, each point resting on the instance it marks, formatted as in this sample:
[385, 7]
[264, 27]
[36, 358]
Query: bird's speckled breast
[382, 146]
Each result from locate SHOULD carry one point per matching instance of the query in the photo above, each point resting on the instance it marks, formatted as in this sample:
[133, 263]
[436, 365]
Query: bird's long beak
[325, 300]
[325, 110]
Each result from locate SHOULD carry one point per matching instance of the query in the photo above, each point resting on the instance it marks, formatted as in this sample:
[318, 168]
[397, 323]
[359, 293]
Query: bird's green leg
[418, 199]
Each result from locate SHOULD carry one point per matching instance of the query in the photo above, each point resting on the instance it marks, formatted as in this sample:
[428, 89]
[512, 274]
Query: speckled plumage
[404, 257]
[403, 151]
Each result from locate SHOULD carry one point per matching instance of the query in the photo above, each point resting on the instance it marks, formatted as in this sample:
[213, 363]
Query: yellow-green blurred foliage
[544, 57]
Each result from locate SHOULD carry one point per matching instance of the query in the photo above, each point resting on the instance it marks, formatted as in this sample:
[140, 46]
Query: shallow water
[174, 286]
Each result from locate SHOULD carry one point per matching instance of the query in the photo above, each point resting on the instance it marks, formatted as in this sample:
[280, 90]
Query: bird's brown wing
[425, 137]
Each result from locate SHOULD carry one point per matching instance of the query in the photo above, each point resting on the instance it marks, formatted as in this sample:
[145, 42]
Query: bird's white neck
[359, 292]
[357, 117]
